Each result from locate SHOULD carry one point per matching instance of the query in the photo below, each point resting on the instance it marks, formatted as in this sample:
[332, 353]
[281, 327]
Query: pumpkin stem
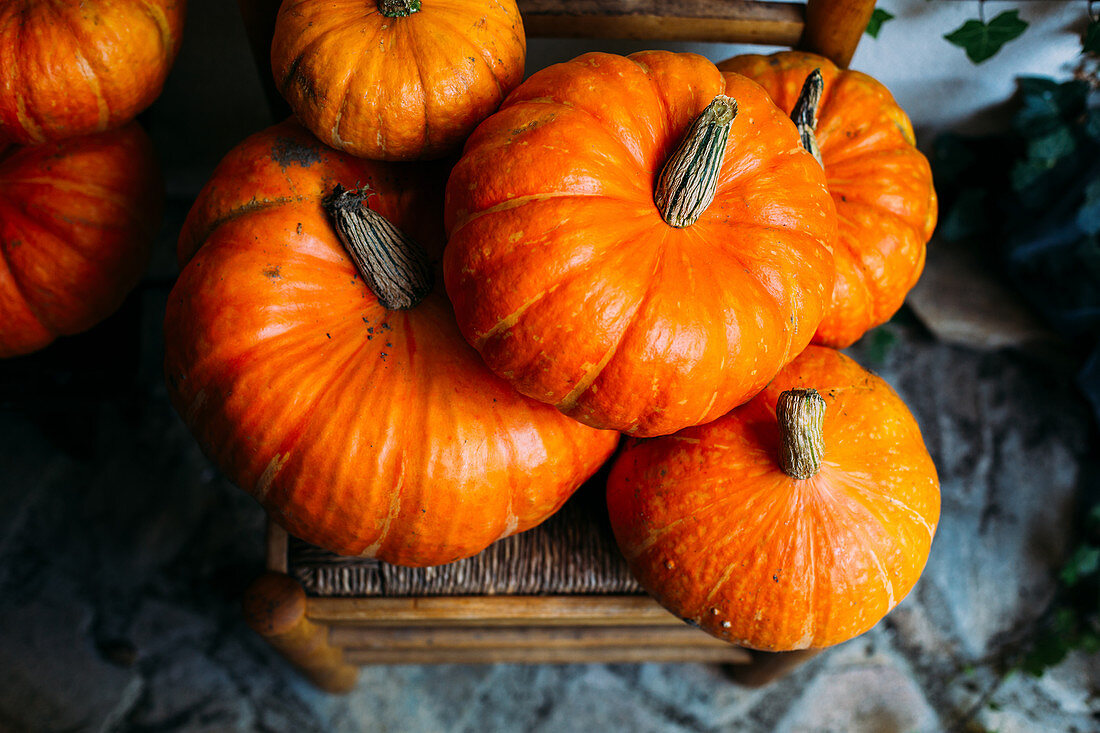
[687, 183]
[801, 413]
[804, 113]
[394, 266]
[398, 8]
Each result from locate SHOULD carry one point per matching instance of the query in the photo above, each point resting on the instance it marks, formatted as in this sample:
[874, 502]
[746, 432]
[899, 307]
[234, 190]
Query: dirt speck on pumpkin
[273, 272]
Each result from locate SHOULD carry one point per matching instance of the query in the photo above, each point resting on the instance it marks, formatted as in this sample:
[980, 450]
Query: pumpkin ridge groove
[483, 54]
[858, 491]
[774, 511]
[518, 201]
[20, 290]
[653, 534]
[413, 41]
[569, 402]
[34, 130]
[83, 188]
[344, 84]
[608, 133]
[167, 41]
[90, 75]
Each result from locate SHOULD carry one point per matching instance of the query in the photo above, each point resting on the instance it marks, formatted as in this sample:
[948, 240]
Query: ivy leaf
[982, 40]
[1091, 42]
[878, 17]
[1046, 105]
[879, 344]
[1085, 561]
[1048, 149]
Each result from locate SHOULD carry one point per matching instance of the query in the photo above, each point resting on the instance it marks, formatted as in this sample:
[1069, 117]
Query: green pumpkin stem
[394, 266]
[804, 113]
[689, 178]
[801, 413]
[398, 8]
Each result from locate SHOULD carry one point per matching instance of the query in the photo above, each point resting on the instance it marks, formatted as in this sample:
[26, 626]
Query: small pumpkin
[74, 67]
[77, 219]
[796, 521]
[881, 184]
[332, 383]
[639, 241]
[396, 79]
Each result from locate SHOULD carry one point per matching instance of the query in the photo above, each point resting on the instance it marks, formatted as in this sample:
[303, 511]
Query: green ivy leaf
[983, 40]
[878, 17]
[1048, 149]
[880, 343]
[1091, 42]
[1045, 105]
[1025, 178]
[1084, 562]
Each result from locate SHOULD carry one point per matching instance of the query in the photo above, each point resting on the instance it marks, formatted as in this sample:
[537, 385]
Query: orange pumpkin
[881, 183]
[796, 521]
[77, 218]
[364, 423]
[624, 249]
[395, 79]
[74, 67]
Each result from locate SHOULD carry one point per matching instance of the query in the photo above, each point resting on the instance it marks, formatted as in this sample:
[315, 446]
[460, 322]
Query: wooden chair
[561, 592]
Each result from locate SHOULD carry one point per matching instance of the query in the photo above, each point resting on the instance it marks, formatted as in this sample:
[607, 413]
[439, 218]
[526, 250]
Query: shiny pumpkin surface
[363, 430]
[77, 218]
[403, 88]
[881, 183]
[571, 285]
[723, 538]
[74, 67]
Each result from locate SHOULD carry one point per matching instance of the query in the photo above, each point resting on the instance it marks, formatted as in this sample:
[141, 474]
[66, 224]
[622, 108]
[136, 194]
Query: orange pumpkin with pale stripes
[364, 425]
[796, 521]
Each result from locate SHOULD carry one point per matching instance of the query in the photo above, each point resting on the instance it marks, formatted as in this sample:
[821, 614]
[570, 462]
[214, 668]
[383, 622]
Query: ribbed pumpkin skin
[881, 183]
[77, 218]
[396, 88]
[714, 529]
[568, 281]
[362, 430]
[74, 67]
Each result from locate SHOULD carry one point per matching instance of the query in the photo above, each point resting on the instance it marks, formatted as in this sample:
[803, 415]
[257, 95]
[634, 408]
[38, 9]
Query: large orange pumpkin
[77, 218]
[396, 79]
[365, 428]
[796, 521]
[881, 183]
[610, 252]
[73, 67]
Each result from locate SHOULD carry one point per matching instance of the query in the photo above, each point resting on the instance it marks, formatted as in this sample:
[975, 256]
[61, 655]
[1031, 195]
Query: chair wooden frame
[327, 637]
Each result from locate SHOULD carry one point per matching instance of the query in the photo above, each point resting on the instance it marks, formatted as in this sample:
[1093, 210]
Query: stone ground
[123, 553]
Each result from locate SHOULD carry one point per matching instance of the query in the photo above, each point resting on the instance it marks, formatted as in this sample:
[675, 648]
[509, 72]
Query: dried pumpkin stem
[804, 113]
[687, 183]
[398, 8]
[394, 266]
[801, 413]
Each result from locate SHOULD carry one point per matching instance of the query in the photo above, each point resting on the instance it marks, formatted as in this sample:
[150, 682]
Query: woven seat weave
[572, 553]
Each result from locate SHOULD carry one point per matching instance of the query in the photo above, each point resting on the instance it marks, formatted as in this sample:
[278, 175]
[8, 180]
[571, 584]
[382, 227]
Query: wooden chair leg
[834, 27]
[767, 667]
[275, 607]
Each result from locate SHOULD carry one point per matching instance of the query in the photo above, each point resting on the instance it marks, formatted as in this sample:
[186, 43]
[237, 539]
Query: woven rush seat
[572, 553]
